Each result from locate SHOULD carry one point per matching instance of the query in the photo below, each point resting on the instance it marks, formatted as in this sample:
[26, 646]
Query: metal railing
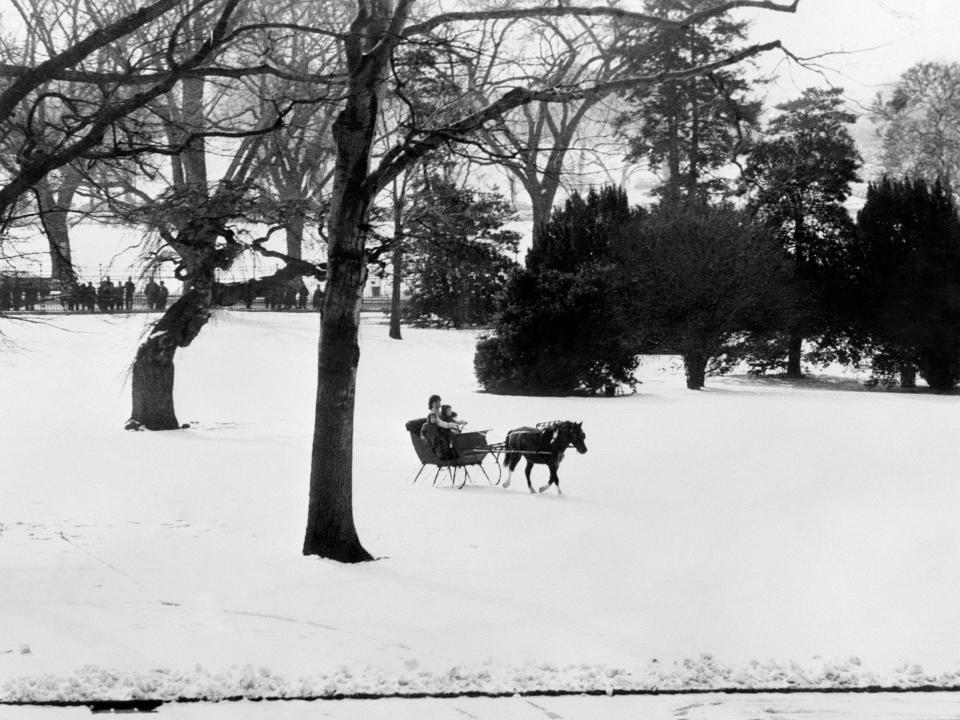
[55, 304]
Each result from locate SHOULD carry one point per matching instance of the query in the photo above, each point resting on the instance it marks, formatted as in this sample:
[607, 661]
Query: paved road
[811, 706]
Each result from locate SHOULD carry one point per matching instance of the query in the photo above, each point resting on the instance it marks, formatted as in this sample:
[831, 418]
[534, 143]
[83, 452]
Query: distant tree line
[713, 284]
[783, 277]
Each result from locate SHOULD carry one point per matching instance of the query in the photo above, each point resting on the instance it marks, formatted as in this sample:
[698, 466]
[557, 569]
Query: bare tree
[919, 124]
[533, 141]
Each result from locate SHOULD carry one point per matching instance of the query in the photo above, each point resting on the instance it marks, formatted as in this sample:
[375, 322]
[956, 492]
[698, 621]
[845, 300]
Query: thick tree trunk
[794, 355]
[330, 531]
[194, 157]
[395, 287]
[54, 210]
[541, 216]
[153, 369]
[294, 231]
[55, 227]
[153, 375]
[695, 365]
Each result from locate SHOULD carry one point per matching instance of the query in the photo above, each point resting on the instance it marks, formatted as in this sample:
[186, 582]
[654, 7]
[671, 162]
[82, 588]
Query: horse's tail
[509, 454]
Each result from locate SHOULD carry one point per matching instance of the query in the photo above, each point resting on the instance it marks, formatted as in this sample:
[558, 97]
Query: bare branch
[149, 78]
[36, 76]
[414, 149]
[612, 12]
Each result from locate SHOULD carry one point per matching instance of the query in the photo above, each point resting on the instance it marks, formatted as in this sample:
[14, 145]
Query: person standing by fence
[128, 290]
[152, 293]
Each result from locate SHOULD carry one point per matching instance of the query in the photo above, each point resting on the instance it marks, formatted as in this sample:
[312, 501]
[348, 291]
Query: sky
[870, 42]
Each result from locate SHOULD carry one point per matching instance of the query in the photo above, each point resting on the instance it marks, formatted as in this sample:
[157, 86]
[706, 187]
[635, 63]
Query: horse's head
[574, 435]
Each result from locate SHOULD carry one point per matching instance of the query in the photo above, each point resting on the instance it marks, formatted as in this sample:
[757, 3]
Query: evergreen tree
[580, 232]
[560, 333]
[565, 325]
[699, 276]
[459, 254]
[689, 128]
[906, 269]
[798, 178]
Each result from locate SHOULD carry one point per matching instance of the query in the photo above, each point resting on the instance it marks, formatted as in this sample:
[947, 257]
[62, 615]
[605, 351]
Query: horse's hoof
[506, 484]
[544, 488]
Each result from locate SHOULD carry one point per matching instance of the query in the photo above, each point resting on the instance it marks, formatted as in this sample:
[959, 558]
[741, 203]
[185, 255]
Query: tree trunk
[194, 157]
[674, 179]
[908, 376]
[54, 211]
[794, 353]
[395, 287]
[294, 231]
[153, 374]
[54, 220]
[153, 369]
[330, 531]
[541, 216]
[695, 365]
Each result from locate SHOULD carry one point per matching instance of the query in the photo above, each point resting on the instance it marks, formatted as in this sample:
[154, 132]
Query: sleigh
[469, 450]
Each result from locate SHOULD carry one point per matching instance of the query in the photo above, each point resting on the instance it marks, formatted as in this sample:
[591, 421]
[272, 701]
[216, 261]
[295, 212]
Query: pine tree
[698, 276]
[580, 232]
[692, 127]
[459, 255]
[798, 179]
[565, 325]
[906, 264]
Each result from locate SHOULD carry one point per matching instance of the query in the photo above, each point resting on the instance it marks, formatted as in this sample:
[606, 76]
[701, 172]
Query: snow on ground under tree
[755, 534]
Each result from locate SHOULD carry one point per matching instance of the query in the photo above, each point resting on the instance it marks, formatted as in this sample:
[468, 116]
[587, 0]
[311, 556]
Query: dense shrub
[905, 285]
[559, 333]
[700, 277]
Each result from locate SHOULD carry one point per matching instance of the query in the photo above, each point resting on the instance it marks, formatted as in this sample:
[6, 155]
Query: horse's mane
[551, 424]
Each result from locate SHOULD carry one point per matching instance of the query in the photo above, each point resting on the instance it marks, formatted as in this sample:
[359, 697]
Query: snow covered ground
[756, 534]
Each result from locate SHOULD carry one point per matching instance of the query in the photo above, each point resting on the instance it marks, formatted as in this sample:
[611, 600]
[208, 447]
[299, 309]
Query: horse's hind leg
[511, 462]
[527, 473]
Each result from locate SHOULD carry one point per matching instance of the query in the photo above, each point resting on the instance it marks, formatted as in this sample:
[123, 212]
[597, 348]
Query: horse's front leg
[554, 480]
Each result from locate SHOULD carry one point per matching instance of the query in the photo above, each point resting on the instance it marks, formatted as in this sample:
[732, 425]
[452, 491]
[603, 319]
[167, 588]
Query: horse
[543, 445]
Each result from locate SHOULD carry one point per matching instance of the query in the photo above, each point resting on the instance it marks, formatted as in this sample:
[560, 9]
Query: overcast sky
[880, 38]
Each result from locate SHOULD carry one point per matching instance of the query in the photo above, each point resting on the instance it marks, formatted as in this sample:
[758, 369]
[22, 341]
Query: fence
[21, 293]
[56, 303]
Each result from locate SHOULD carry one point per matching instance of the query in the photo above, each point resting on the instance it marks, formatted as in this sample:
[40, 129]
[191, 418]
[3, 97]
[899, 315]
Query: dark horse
[543, 445]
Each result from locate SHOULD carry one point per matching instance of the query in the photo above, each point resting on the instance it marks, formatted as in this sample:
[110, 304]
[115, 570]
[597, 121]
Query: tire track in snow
[100, 560]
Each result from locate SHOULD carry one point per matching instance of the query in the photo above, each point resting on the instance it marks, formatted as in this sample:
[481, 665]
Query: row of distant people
[108, 297]
[16, 295]
[286, 298]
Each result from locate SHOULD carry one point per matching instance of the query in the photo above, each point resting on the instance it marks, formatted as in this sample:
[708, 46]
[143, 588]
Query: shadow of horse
[542, 445]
